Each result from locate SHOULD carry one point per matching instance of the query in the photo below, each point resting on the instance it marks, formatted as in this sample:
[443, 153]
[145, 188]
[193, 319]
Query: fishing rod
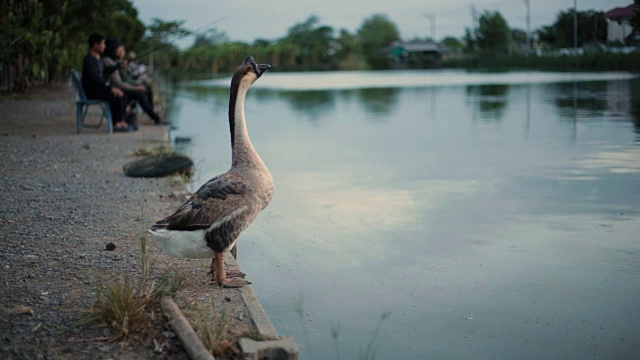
[180, 94]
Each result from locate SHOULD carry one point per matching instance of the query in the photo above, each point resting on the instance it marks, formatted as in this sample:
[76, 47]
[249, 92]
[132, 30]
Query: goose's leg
[221, 273]
[212, 271]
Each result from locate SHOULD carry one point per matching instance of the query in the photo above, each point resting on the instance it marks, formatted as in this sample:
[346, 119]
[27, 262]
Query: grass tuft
[213, 332]
[150, 151]
[181, 178]
[127, 305]
[170, 283]
[119, 305]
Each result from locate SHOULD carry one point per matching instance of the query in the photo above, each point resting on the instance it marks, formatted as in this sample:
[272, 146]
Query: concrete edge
[266, 330]
[282, 349]
[270, 345]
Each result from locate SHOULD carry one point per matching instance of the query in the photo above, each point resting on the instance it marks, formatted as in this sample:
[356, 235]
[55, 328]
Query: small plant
[298, 308]
[335, 334]
[126, 305]
[162, 149]
[369, 354]
[213, 332]
[181, 178]
[119, 305]
[170, 283]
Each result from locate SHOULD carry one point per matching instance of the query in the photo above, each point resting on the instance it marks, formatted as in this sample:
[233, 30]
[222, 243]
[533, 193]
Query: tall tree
[159, 41]
[519, 40]
[492, 35]
[635, 20]
[375, 33]
[452, 43]
[592, 27]
[42, 39]
[469, 40]
[210, 37]
[313, 40]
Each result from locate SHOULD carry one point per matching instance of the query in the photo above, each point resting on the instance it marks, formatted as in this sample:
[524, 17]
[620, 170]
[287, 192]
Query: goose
[209, 222]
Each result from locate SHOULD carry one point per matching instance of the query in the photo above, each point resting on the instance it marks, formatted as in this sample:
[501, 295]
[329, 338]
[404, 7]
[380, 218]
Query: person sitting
[135, 73]
[95, 85]
[137, 70]
[113, 52]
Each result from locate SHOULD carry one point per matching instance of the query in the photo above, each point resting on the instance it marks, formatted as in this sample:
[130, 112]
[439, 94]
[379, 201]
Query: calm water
[485, 216]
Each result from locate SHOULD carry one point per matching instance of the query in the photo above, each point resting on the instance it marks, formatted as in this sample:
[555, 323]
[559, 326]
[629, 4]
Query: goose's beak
[262, 68]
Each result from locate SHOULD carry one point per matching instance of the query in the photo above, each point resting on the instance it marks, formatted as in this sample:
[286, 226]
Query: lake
[439, 214]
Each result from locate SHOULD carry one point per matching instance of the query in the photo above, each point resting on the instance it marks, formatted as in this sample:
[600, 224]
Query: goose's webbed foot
[233, 282]
[230, 279]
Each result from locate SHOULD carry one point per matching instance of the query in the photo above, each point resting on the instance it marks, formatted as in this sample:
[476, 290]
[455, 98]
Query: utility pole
[432, 17]
[474, 25]
[526, 2]
[575, 26]
[474, 17]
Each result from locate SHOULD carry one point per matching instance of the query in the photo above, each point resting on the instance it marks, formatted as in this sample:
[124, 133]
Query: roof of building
[621, 12]
[418, 46]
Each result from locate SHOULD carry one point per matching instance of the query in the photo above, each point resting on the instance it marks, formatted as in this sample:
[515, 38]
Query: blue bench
[82, 106]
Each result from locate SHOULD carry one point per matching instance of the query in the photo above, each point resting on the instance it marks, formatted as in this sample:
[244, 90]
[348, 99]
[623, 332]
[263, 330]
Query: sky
[247, 20]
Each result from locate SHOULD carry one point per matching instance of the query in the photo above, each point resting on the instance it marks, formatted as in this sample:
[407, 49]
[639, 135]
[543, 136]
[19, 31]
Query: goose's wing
[218, 200]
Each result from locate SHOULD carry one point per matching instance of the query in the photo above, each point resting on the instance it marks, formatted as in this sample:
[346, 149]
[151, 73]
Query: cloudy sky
[246, 20]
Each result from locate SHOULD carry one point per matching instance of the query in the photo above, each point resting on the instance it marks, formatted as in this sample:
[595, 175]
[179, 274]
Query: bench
[82, 105]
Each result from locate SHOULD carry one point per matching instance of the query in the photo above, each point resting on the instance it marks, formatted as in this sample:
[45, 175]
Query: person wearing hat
[115, 51]
[95, 85]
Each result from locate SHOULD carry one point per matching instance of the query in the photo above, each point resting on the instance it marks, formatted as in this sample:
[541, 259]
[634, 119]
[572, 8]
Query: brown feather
[216, 199]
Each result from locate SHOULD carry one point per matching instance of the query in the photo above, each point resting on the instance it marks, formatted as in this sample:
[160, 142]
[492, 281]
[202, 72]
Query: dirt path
[64, 197]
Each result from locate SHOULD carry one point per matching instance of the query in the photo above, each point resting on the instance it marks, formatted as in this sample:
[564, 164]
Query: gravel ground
[64, 197]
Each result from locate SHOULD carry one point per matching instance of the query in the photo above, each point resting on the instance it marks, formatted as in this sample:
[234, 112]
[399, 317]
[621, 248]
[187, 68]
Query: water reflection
[491, 100]
[634, 103]
[311, 105]
[587, 99]
[378, 102]
[462, 229]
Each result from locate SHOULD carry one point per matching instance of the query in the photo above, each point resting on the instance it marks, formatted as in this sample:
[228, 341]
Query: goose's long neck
[243, 152]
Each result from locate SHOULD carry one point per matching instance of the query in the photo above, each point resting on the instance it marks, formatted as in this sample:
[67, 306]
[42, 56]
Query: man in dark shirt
[96, 87]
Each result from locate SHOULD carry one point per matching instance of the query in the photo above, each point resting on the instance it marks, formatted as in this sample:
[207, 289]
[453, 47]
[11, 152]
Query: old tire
[157, 165]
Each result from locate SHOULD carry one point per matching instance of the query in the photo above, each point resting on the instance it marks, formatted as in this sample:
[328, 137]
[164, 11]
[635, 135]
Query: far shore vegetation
[44, 39]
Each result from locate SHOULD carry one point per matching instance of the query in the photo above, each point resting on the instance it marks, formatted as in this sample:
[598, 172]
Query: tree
[635, 20]
[592, 27]
[376, 33]
[452, 43]
[312, 40]
[347, 45]
[159, 41]
[519, 40]
[469, 40]
[43, 39]
[492, 35]
[210, 37]
[166, 31]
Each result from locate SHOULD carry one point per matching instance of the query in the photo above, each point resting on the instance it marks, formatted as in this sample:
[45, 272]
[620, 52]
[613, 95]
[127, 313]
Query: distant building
[619, 28]
[418, 54]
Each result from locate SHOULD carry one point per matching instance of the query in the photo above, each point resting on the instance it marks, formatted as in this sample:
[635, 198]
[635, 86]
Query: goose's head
[249, 70]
